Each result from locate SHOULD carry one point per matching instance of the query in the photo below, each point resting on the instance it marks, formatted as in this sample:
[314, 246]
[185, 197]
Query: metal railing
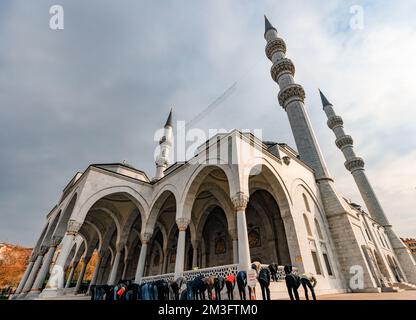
[219, 271]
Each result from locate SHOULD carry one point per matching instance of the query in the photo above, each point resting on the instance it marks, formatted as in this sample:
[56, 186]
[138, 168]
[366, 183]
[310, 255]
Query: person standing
[308, 280]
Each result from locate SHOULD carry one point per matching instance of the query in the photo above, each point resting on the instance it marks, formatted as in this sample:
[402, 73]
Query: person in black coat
[264, 281]
[292, 283]
[273, 271]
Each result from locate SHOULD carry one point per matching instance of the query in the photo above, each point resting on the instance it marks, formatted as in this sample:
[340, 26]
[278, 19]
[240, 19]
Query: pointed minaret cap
[268, 25]
[324, 100]
[169, 121]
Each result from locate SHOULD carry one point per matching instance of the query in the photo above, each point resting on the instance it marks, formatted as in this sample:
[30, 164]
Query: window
[305, 199]
[316, 262]
[327, 264]
[367, 233]
[318, 230]
[308, 227]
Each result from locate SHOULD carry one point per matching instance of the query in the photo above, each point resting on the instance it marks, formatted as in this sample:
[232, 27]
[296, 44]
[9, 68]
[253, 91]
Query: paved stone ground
[403, 295]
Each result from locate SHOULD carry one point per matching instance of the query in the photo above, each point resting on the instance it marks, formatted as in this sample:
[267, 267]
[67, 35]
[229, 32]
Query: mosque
[239, 199]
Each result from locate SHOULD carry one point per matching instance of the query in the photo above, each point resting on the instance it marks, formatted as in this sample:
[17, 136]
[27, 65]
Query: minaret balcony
[334, 121]
[291, 93]
[283, 66]
[344, 141]
[274, 46]
[355, 163]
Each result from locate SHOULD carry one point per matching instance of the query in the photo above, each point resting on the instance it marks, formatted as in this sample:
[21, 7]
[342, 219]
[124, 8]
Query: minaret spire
[165, 143]
[268, 25]
[324, 100]
[169, 120]
[291, 98]
[355, 165]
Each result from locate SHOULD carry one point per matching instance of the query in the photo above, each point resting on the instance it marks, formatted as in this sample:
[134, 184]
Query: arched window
[318, 230]
[305, 199]
[307, 225]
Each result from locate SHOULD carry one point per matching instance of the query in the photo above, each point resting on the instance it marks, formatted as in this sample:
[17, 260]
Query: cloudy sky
[98, 90]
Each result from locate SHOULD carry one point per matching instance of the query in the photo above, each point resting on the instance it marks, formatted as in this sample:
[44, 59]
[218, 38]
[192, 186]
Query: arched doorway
[266, 231]
[218, 248]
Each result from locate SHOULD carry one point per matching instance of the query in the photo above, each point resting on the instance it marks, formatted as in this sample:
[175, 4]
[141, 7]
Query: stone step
[391, 289]
[405, 285]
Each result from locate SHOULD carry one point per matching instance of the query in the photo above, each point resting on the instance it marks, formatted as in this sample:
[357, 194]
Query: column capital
[145, 237]
[182, 223]
[240, 200]
[73, 227]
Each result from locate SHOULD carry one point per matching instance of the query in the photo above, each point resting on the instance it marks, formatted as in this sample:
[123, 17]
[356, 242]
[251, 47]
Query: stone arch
[62, 224]
[99, 234]
[197, 178]
[41, 241]
[274, 179]
[139, 201]
[110, 213]
[269, 184]
[47, 239]
[128, 224]
[156, 209]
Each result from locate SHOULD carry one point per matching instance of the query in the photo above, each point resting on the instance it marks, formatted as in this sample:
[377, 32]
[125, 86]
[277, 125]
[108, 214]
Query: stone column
[85, 261]
[24, 278]
[234, 237]
[33, 274]
[95, 274]
[165, 260]
[112, 279]
[195, 247]
[56, 279]
[71, 274]
[240, 201]
[123, 275]
[180, 250]
[142, 258]
[43, 272]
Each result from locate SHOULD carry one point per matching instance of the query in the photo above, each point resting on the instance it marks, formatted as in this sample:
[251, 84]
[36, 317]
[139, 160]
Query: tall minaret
[291, 98]
[162, 160]
[355, 165]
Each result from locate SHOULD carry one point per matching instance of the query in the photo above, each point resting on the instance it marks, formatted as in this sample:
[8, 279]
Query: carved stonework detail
[274, 46]
[354, 164]
[73, 227]
[291, 91]
[240, 201]
[343, 141]
[145, 237]
[286, 160]
[281, 67]
[182, 223]
[334, 121]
